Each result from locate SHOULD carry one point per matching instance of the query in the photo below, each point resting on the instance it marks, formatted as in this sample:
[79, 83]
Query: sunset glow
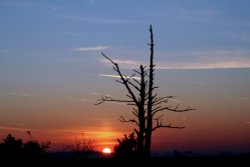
[106, 151]
[52, 72]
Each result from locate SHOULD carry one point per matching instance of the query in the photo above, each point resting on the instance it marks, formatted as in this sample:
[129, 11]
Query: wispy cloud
[205, 59]
[247, 122]
[95, 132]
[95, 48]
[244, 98]
[117, 76]
[13, 128]
[206, 65]
[79, 99]
[19, 94]
[193, 60]
[174, 100]
[123, 63]
[94, 93]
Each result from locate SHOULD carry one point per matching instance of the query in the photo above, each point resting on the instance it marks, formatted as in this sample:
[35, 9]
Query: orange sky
[52, 71]
[220, 121]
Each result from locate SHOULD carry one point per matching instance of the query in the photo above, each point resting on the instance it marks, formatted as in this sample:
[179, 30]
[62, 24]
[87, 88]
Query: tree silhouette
[147, 104]
[126, 147]
[32, 149]
[11, 147]
[84, 145]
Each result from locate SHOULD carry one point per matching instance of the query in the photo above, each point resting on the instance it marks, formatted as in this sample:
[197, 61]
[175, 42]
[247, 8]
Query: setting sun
[106, 151]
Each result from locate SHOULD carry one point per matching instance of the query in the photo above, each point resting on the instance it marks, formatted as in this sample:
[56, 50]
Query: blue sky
[189, 34]
[50, 56]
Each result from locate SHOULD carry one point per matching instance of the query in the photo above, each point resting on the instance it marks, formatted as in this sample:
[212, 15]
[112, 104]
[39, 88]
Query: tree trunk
[141, 114]
[150, 95]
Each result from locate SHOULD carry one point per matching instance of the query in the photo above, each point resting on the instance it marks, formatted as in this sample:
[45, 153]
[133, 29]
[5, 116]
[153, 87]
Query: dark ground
[208, 160]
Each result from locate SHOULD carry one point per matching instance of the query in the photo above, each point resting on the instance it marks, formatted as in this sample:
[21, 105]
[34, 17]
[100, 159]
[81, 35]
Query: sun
[106, 150]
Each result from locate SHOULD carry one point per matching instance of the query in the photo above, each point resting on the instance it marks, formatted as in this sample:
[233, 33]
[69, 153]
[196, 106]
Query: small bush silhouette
[127, 147]
[11, 147]
[32, 149]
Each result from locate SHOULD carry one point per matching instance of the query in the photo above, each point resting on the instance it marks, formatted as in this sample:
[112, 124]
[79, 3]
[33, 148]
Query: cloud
[13, 128]
[174, 100]
[247, 122]
[94, 93]
[244, 98]
[205, 65]
[79, 99]
[117, 76]
[108, 95]
[123, 63]
[96, 48]
[214, 59]
[20, 94]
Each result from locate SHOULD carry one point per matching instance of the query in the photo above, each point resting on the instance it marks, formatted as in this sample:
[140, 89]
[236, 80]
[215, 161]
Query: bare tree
[83, 144]
[147, 104]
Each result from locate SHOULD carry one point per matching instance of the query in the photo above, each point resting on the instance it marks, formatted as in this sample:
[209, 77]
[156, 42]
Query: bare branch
[159, 117]
[109, 59]
[162, 98]
[159, 124]
[110, 99]
[169, 108]
[136, 87]
[154, 96]
[159, 100]
[130, 97]
[136, 81]
[125, 81]
[136, 131]
[157, 108]
[179, 110]
[122, 119]
[167, 126]
[135, 113]
[119, 81]
[147, 104]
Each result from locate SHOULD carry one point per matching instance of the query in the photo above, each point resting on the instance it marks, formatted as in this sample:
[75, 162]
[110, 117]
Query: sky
[52, 72]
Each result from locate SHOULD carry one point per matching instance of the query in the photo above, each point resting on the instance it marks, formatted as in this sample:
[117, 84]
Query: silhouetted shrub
[32, 149]
[127, 147]
[11, 147]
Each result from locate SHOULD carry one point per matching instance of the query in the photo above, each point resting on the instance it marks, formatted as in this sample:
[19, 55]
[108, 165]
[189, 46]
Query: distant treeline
[33, 152]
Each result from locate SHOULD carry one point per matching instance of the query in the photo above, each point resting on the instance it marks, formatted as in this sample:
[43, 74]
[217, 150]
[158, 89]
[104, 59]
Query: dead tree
[147, 104]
